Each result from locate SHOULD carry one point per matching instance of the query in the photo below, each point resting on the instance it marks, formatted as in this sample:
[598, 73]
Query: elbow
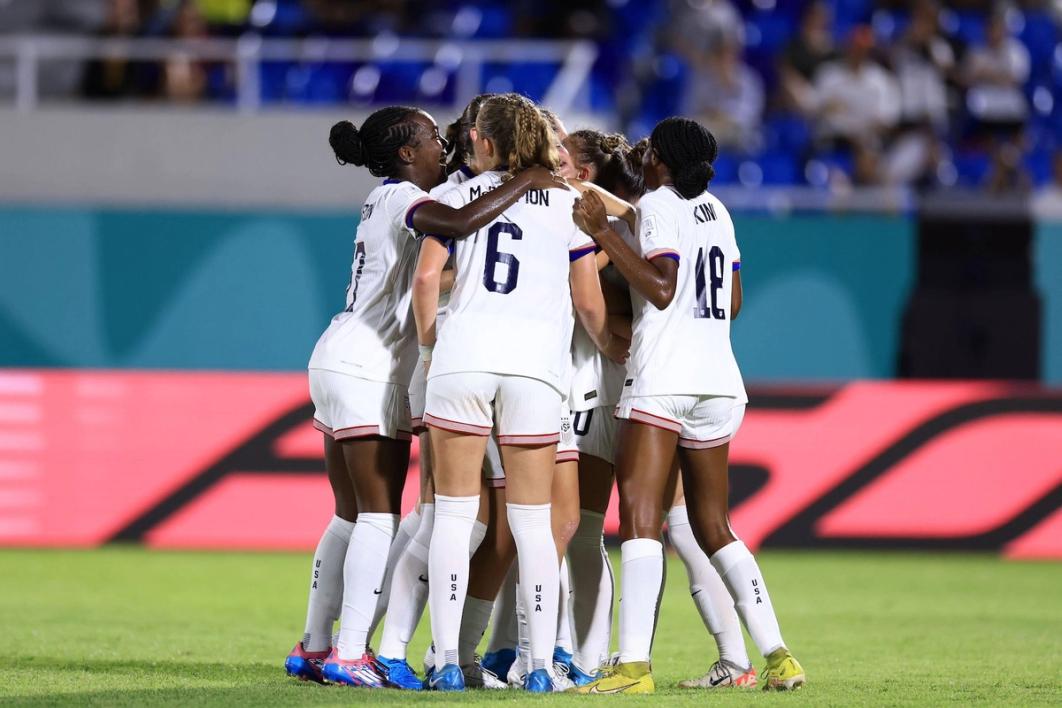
[662, 298]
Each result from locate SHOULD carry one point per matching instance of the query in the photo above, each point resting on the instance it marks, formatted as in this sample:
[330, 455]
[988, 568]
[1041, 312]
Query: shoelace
[477, 661]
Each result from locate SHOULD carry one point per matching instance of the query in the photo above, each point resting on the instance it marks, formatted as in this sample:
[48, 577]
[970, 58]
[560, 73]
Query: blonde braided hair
[521, 134]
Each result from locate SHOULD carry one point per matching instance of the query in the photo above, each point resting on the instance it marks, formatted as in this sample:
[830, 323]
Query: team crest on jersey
[566, 424]
[649, 227]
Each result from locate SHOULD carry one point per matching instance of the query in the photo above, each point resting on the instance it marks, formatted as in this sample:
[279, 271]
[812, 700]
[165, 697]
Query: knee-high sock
[708, 590]
[326, 585]
[448, 572]
[742, 576]
[592, 588]
[539, 577]
[409, 589]
[479, 532]
[504, 633]
[564, 615]
[406, 529]
[474, 620]
[363, 576]
[642, 578]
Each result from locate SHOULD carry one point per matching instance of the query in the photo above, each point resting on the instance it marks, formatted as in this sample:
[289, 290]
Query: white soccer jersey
[455, 178]
[685, 348]
[596, 379]
[510, 309]
[374, 337]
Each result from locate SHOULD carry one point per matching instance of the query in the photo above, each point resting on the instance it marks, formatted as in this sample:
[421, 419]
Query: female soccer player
[500, 358]
[359, 370]
[683, 392]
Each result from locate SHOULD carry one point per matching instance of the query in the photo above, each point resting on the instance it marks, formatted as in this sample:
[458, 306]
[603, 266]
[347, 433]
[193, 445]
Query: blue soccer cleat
[305, 665]
[398, 673]
[499, 662]
[448, 678]
[538, 681]
[363, 672]
[560, 656]
[581, 678]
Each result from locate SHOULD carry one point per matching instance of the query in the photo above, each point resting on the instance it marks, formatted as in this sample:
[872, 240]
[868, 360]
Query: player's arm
[426, 281]
[655, 280]
[432, 217]
[590, 308]
[614, 206]
[735, 296]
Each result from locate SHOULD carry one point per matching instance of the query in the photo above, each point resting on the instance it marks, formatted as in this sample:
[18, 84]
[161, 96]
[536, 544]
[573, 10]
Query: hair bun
[614, 142]
[347, 144]
[693, 178]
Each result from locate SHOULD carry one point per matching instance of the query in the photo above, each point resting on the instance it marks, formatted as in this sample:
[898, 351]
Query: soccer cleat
[538, 681]
[783, 672]
[305, 665]
[561, 680]
[499, 662]
[723, 674]
[429, 659]
[398, 673]
[560, 656]
[581, 678]
[361, 672]
[517, 672]
[477, 676]
[448, 678]
[629, 677]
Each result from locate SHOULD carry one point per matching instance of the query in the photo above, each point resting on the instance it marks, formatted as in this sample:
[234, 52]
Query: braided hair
[457, 137]
[617, 165]
[376, 145]
[521, 134]
[688, 149]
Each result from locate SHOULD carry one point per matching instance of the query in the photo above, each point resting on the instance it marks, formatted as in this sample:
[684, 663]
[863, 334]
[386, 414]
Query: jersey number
[494, 257]
[355, 278]
[709, 272]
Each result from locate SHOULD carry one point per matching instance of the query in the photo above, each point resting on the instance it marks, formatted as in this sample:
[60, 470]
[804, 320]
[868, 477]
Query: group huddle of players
[547, 339]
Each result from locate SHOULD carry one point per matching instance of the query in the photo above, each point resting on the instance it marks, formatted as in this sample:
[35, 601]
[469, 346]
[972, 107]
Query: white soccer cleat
[559, 674]
[429, 660]
[478, 677]
[517, 672]
[724, 674]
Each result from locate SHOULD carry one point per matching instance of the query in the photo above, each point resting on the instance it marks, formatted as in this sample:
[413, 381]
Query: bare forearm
[434, 218]
[642, 275]
[425, 307]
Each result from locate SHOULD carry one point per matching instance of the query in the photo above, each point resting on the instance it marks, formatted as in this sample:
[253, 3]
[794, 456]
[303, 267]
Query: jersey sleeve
[657, 231]
[451, 196]
[407, 198]
[579, 244]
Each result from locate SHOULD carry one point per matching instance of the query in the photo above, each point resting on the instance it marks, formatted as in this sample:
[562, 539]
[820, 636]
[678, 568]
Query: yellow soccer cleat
[783, 672]
[631, 677]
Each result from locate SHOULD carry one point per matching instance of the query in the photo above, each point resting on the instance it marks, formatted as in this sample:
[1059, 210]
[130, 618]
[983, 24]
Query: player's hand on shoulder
[589, 214]
[541, 178]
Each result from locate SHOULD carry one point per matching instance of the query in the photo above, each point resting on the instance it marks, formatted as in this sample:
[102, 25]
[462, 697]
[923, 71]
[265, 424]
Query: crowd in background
[819, 92]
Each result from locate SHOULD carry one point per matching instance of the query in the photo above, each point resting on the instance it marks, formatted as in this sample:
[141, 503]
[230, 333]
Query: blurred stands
[782, 82]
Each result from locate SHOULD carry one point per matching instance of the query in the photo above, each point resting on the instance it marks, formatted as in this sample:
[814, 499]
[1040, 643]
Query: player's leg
[492, 580]
[564, 520]
[713, 602]
[326, 576]
[704, 456]
[644, 455]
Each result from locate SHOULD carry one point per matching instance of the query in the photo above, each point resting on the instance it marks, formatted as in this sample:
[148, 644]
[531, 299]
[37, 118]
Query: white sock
[523, 632]
[326, 585]
[479, 532]
[448, 571]
[564, 615]
[505, 630]
[592, 588]
[363, 577]
[709, 593]
[406, 529]
[474, 621]
[642, 578]
[409, 593]
[539, 577]
[742, 576]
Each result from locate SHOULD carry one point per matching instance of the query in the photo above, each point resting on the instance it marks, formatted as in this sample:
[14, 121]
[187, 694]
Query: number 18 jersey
[510, 310]
[685, 349]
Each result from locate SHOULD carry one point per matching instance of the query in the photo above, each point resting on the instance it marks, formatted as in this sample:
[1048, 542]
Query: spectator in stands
[994, 74]
[727, 95]
[1007, 174]
[698, 27]
[923, 61]
[116, 77]
[184, 78]
[856, 100]
[808, 51]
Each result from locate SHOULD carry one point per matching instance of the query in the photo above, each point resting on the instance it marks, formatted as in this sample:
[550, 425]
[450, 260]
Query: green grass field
[124, 626]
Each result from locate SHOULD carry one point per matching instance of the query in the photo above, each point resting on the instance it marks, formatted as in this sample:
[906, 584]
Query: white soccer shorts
[567, 449]
[700, 421]
[595, 432]
[524, 410]
[350, 407]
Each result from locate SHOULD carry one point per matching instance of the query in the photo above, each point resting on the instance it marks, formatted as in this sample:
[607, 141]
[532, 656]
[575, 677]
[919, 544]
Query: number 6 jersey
[510, 309]
[684, 349]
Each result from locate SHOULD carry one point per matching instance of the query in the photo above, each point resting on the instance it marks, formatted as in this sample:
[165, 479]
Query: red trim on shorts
[404, 435]
[495, 483]
[567, 456]
[357, 431]
[456, 426]
[540, 439]
[692, 444]
[655, 420]
[418, 426]
[322, 427]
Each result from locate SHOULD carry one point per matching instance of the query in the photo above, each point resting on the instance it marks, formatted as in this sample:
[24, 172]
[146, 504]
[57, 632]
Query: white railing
[466, 58]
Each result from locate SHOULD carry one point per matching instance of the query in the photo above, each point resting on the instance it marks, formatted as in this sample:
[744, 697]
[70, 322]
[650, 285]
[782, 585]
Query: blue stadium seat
[788, 132]
[726, 168]
[1038, 163]
[972, 167]
[1041, 38]
[779, 168]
